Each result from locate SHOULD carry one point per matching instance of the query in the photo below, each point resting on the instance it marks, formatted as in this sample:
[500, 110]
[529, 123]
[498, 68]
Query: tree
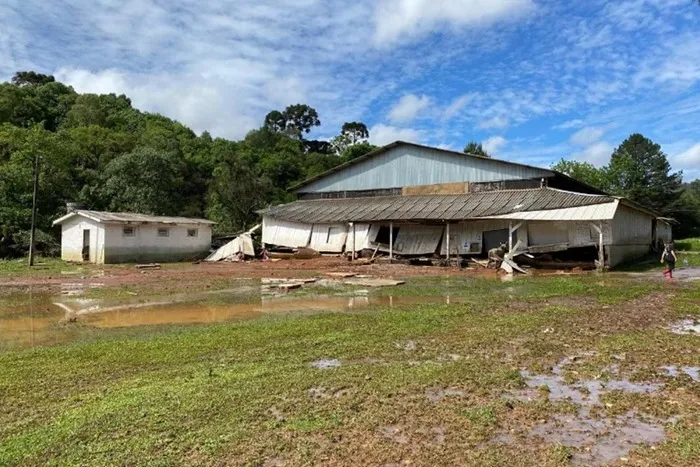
[476, 149]
[144, 181]
[355, 132]
[236, 194]
[31, 78]
[295, 121]
[584, 172]
[639, 170]
[357, 150]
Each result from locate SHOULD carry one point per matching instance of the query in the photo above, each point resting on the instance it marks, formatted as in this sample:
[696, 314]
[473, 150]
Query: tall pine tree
[639, 170]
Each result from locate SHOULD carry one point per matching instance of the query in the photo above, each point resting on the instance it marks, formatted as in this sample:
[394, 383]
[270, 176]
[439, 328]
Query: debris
[341, 275]
[148, 266]
[237, 249]
[306, 253]
[289, 286]
[374, 282]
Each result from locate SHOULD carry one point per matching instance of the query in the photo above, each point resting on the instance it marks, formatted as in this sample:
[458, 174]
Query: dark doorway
[494, 239]
[383, 235]
[86, 245]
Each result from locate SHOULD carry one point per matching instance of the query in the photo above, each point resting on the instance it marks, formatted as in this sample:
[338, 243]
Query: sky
[534, 80]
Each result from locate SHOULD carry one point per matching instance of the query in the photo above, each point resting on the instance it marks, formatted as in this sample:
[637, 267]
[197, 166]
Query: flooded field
[32, 319]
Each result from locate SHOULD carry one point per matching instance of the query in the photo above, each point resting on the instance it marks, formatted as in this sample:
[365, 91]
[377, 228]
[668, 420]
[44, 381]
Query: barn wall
[632, 235]
[284, 233]
[328, 238]
[664, 231]
[72, 240]
[361, 237]
[410, 166]
[411, 239]
[147, 246]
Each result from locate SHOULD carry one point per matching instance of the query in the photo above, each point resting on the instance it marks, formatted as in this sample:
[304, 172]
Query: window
[129, 232]
[192, 232]
[163, 232]
[383, 235]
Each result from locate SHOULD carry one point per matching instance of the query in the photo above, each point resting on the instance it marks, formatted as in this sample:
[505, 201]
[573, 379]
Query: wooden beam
[391, 241]
[448, 241]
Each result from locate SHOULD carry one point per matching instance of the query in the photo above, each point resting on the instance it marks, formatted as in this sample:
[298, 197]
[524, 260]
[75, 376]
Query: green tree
[295, 121]
[236, 194]
[584, 172]
[358, 150]
[31, 78]
[476, 149]
[356, 132]
[144, 181]
[639, 170]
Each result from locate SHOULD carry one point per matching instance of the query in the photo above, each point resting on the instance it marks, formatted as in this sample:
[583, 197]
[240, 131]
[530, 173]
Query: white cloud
[457, 105]
[569, 124]
[688, 159]
[382, 134]
[587, 136]
[494, 144]
[408, 108]
[397, 20]
[597, 154]
[495, 123]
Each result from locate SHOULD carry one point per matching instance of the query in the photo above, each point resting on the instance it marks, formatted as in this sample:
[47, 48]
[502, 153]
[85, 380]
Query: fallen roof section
[437, 207]
[130, 218]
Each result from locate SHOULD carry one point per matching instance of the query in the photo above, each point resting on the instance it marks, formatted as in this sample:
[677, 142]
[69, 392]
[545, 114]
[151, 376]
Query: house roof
[435, 207]
[130, 218]
[396, 144]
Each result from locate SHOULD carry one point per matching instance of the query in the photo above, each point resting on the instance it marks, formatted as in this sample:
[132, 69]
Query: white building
[117, 237]
[412, 200]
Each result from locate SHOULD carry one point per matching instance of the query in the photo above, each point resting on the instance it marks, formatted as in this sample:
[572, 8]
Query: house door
[494, 239]
[86, 245]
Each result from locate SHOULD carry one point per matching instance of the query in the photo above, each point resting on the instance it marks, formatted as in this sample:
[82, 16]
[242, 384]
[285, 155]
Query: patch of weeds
[560, 454]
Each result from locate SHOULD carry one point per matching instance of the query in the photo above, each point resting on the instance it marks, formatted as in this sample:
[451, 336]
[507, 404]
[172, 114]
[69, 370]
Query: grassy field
[418, 384]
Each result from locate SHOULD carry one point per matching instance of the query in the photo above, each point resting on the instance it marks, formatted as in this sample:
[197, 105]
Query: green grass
[239, 393]
[688, 244]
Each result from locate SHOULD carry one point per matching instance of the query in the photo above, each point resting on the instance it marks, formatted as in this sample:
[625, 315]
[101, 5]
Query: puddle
[687, 326]
[36, 319]
[326, 364]
[687, 273]
[692, 371]
[597, 440]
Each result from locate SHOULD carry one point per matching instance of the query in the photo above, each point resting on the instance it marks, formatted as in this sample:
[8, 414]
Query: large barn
[410, 200]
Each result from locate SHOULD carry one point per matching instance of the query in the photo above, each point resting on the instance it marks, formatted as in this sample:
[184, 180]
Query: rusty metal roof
[432, 207]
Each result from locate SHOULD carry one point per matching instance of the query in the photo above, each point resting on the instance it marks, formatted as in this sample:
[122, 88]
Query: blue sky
[534, 80]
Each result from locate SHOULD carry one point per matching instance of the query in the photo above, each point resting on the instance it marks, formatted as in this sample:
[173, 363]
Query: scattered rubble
[325, 364]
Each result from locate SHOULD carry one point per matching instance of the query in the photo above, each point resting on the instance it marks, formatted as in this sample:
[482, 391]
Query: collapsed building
[410, 200]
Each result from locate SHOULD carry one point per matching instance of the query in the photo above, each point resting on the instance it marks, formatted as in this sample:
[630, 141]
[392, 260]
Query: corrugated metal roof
[130, 218]
[598, 212]
[432, 207]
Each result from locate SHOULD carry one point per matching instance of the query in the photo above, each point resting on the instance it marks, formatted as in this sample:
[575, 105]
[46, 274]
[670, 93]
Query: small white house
[122, 237]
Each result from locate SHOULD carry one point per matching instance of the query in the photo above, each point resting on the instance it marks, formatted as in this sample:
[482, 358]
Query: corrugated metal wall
[328, 238]
[284, 233]
[410, 166]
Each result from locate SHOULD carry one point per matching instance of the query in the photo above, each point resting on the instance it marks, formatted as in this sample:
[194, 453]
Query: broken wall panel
[410, 239]
[467, 237]
[328, 238]
[285, 233]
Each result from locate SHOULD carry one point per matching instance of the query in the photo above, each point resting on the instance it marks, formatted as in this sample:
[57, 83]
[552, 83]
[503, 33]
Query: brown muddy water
[34, 319]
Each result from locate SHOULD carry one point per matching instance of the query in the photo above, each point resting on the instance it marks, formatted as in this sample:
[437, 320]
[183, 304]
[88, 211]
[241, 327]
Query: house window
[163, 232]
[129, 232]
[192, 232]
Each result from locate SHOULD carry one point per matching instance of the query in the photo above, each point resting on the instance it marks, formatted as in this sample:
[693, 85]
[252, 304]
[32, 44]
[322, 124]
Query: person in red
[669, 257]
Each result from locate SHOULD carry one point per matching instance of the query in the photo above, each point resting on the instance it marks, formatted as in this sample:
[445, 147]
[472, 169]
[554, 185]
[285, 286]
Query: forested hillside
[101, 151]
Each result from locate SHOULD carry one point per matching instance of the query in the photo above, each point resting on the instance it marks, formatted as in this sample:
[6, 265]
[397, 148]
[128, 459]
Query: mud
[326, 364]
[436, 395]
[37, 319]
[687, 326]
[596, 441]
[692, 371]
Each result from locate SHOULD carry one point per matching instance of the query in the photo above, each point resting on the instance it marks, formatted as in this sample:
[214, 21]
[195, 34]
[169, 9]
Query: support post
[510, 236]
[601, 245]
[34, 200]
[353, 240]
[601, 248]
[448, 241]
[391, 241]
